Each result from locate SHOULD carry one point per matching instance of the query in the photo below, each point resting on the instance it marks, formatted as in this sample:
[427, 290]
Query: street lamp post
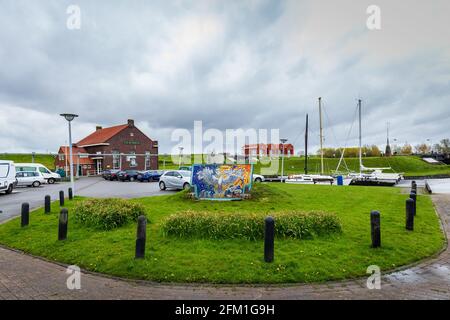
[69, 117]
[283, 141]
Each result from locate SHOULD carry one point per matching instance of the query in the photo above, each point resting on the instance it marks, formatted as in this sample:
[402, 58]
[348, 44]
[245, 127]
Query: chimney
[98, 128]
[131, 123]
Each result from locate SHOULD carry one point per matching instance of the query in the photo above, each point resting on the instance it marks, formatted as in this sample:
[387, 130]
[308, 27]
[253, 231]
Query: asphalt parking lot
[89, 187]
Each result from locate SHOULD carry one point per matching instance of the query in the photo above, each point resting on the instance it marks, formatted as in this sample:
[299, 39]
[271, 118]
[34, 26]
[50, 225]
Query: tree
[423, 148]
[406, 149]
[445, 146]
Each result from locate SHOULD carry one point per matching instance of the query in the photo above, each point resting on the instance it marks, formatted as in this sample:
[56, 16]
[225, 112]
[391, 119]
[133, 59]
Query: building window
[132, 159]
[147, 160]
[61, 157]
[116, 159]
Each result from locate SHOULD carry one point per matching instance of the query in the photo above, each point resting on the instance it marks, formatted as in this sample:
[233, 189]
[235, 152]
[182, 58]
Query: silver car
[30, 178]
[175, 179]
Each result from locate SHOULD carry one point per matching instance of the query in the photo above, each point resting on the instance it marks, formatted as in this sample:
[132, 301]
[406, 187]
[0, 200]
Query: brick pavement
[25, 277]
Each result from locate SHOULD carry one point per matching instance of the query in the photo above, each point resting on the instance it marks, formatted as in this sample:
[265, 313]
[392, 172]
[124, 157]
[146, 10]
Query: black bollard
[47, 204]
[61, 198]
[70, 194]
[25, 214]
[141, 237]
[410, 214]
[375, 229]
[269, 238]
[63, 222]
[413, 196]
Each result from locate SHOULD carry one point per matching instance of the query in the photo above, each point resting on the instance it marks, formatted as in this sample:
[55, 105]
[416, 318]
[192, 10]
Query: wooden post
[413, 196]
[410, 214]
[269, 239]
[63, 222]
[47, 204]
[25, 214]
[141, 237]
[61, 198]
[375, 229]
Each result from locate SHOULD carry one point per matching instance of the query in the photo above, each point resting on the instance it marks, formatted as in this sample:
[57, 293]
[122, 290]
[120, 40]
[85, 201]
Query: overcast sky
[232, 64]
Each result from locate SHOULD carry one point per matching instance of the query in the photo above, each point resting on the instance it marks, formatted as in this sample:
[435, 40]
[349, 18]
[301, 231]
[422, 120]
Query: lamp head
[283, 140]
[68, 116]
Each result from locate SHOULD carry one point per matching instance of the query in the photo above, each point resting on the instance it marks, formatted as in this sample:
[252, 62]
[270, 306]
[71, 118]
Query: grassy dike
[172, 259]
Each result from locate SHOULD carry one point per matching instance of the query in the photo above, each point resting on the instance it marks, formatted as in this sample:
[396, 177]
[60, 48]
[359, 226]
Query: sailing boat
[312, 178]
[374, 176]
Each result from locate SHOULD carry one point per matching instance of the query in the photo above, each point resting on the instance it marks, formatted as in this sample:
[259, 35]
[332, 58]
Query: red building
[270, 150]
[119, 147]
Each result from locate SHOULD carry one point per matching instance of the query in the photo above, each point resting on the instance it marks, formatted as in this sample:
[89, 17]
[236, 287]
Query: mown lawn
[170, 259]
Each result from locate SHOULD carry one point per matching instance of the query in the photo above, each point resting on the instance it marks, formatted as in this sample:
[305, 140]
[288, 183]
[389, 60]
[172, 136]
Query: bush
[206, 225]
[107, 214]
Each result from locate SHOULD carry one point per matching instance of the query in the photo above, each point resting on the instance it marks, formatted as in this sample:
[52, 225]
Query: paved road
[90, 187]
[25, 277]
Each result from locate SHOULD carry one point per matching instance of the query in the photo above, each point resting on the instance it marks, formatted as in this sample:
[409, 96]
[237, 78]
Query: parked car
[30, 178]
[49, 176]
[175, 179]
[150, 175]
[127, 175]
[258, 178]
[110, 174]
[8, 179]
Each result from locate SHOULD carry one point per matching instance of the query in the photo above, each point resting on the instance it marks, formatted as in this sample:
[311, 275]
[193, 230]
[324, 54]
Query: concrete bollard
[375, 229]
[269, 239]
[410, 214]
[47, 204]
[413, 196]
[61, 198]
[70, 194]
[63, 222]
[141, 237]
[25, 215]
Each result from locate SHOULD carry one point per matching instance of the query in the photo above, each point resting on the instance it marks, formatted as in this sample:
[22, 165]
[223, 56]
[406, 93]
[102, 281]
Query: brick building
[119, 147]
[268, 150]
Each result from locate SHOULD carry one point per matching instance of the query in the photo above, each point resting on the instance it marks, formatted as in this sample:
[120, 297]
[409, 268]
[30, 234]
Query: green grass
[47, 160]
[171, 259]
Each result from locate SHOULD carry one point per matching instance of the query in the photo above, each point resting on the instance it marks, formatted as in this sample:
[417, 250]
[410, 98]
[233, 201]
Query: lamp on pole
[69, 117]
[283, 141]
[181, 153]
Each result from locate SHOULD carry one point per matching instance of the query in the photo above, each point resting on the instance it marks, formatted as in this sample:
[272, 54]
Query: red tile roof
[101, 135]
[75, 150]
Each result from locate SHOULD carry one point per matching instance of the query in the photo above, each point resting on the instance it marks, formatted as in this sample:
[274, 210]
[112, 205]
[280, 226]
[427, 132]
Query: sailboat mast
[360, 137]
[321, 136]
[306, 146]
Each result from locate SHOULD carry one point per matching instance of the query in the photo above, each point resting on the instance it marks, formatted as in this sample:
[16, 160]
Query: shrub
[206, 225]
[107, 214]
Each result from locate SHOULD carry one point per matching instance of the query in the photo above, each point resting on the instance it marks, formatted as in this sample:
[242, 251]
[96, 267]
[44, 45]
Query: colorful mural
[221, 181]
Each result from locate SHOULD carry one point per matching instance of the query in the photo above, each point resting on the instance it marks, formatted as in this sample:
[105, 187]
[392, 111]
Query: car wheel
[132, 179]
[186, 186]
[36, 184]
[51, 181]
[162, 185]
[10, 189]
[258, 180]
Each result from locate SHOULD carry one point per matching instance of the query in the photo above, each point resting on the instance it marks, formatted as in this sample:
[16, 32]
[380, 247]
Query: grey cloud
[242, 64]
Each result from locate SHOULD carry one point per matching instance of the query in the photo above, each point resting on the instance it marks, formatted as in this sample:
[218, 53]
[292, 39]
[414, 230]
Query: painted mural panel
[221, 181]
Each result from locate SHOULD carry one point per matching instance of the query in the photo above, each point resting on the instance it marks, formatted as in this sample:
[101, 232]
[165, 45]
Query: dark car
[128, 175]
[150, 175]
[110, 174]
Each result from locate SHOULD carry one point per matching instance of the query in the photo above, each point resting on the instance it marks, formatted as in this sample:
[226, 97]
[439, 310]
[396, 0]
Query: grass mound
[107, 214]
[207, 225]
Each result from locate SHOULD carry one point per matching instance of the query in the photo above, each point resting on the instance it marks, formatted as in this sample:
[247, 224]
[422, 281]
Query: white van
[7, 176]
[49, 176]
